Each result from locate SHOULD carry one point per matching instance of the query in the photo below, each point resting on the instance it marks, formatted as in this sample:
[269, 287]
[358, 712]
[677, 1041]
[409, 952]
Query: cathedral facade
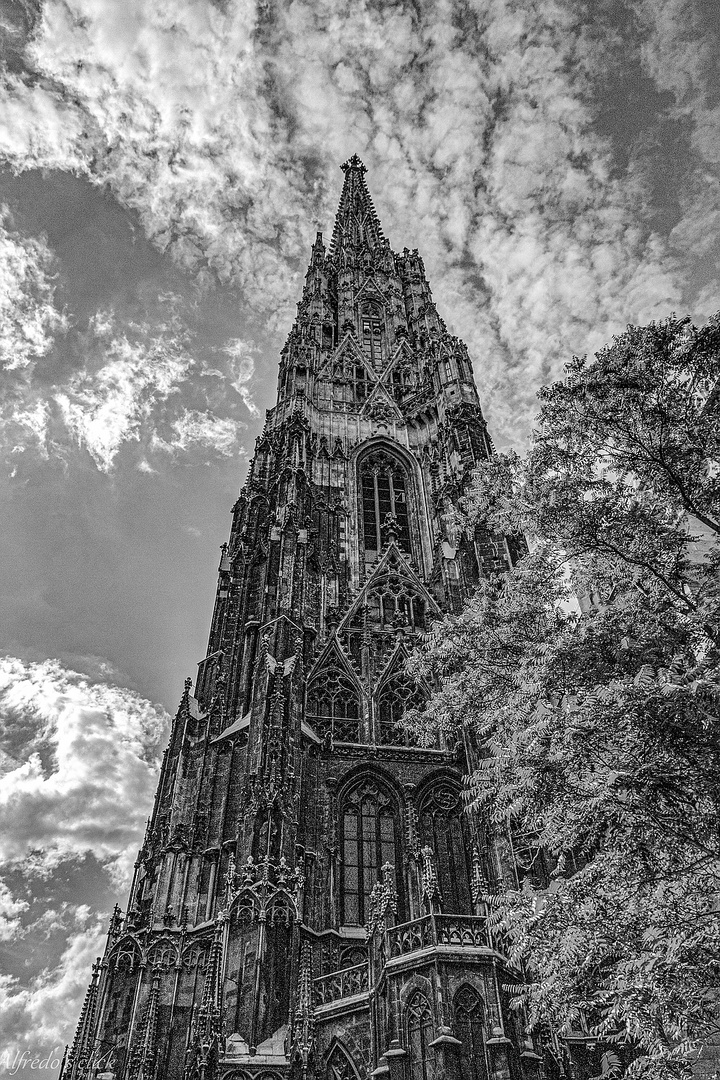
[308, 899]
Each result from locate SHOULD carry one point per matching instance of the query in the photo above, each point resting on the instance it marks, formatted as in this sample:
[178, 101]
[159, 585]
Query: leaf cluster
[585, 683]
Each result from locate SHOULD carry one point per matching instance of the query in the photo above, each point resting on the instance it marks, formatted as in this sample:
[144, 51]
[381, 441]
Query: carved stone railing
[460, 931]
[409, 937]
[340, 984]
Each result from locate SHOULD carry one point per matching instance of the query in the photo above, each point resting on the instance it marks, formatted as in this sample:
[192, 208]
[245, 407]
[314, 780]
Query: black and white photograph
[360, 561]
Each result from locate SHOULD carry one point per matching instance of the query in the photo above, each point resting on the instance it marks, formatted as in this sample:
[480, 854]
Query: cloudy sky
[164, 168]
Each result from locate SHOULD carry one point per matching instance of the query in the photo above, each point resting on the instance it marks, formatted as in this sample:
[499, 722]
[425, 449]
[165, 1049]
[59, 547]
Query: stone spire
[78, 1062]
[143, 1065]
[304, 1026]
[356, 222]
[206, 1036]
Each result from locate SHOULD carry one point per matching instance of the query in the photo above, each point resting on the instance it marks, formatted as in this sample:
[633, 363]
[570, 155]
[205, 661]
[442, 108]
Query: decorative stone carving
[291, 785]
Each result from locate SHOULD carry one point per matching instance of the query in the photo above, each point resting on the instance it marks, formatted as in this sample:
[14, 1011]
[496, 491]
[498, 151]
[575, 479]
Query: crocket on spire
[356, 222]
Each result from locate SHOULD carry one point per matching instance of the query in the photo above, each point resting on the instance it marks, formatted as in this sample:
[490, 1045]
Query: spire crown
[353, 163]
[356, 224]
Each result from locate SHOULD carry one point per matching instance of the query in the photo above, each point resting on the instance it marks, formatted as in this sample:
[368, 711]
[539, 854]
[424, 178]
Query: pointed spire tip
[356, 223]
[353, 163]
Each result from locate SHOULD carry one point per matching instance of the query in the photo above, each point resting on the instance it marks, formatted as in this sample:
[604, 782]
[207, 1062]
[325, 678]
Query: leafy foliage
[594, 726]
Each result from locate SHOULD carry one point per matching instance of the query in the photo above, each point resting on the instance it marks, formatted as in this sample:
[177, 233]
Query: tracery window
[394, 603]
[333, 706]
[419, 1037]
[402, 381]
[442, 828]
[469, 1029]
[370, 839]
[195, 956]
[329, 336]
[398, 694]
[163, 954]
[126, 957]
[383, 483]
[353, 956]
[339, 1066]
[349, 373]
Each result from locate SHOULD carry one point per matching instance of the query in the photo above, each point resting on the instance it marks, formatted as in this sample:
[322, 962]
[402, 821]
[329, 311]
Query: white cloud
[41, 1015]
[194, 428]
[147, 382]
[223, 125]
[28, 424]
[169, 109]
[140, 384]
[109, 406]
[11, 908]
[39, 129]
[80, 768]
[29, 319]
[242, 368]
[88, 757]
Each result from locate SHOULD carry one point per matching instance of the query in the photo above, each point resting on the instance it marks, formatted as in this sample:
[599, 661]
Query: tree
[597, 725]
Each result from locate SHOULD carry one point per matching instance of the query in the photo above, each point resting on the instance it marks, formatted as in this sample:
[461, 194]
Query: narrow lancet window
[420, 1036]
[333, 706]
[469, 1029]
[442, 829]
[370, 840]
[384, 489]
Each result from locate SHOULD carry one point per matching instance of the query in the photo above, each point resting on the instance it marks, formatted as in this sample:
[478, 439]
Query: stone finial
[390, 528]
[383, 901]
[353, 163]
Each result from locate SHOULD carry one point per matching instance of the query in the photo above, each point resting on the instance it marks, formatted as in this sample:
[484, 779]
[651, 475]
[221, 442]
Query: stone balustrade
[460, 931]
[340, 984]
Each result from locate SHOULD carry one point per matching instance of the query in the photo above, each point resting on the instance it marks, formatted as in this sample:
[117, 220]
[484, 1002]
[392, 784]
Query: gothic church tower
[307, 900]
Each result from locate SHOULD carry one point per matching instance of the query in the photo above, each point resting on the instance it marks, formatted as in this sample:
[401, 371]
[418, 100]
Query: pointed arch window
[402, 380]
[352, 957]
[384, 490]
[394, 602]
[360, 381]
[350, 378]
[370, 840]
[398, 694]
[419, 1037]
[443, 828]
[333, 706]
[339, 1065]
[470, 1030]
